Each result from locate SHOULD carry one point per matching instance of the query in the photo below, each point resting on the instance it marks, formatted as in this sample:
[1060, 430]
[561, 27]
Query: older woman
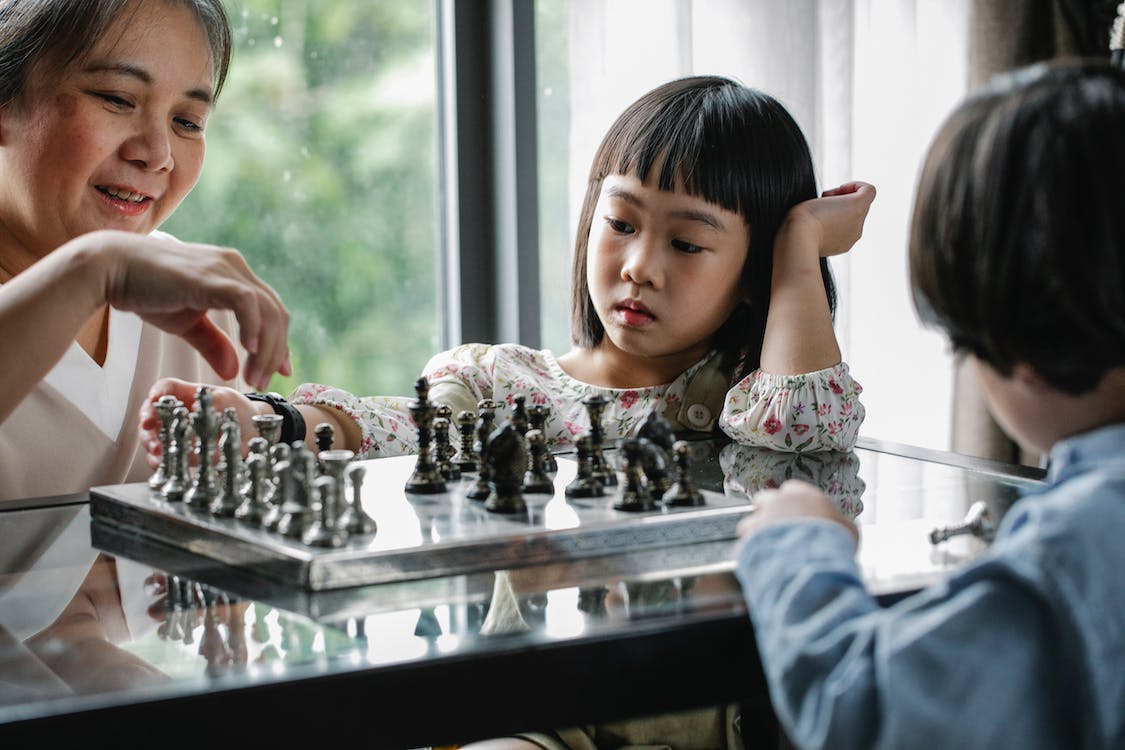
[103, 109]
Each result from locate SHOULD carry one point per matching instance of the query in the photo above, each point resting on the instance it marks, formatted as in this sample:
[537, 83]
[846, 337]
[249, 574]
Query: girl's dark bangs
[675, 145]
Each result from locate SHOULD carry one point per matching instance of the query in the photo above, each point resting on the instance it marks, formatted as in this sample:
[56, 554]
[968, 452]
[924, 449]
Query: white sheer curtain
[869, 81]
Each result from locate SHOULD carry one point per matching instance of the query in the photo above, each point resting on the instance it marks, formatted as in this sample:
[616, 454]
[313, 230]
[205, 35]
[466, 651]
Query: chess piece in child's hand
[834, 221]
[793, 500]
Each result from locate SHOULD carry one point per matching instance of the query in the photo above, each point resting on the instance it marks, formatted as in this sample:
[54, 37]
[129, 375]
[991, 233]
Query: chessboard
[321, 519]
[420, 535]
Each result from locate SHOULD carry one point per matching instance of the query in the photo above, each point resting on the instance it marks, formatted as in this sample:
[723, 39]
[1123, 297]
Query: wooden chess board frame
[418, 536]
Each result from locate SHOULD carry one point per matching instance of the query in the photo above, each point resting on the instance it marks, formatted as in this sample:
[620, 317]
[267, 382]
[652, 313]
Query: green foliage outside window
[321, 170]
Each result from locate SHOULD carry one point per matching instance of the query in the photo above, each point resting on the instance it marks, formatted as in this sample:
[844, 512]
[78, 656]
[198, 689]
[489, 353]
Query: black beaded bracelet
[292, 422]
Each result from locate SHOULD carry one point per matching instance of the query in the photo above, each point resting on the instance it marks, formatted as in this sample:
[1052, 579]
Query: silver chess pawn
[354, 519]
[178, 449]
[164, 407]
[321, 531]
[228, 499]
[205, 423]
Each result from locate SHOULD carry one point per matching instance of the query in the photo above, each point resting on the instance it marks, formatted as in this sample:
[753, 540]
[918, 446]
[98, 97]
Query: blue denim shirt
[1024, 648]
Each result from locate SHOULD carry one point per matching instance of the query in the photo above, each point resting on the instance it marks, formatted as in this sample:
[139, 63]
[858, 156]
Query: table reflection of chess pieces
[426, 479]
[277, 487]
[977, 522]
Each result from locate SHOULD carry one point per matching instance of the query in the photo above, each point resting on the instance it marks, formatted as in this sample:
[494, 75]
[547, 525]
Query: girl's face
[115, 141]
[664, 270]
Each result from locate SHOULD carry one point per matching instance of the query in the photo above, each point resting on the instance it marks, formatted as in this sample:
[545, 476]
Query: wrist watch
[292, 423]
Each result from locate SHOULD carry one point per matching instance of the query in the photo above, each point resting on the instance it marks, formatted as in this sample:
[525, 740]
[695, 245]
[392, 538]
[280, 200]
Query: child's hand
[835, 220]
[793, 500]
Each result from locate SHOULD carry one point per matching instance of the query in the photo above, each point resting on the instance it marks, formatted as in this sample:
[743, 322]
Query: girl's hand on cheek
[835, 220]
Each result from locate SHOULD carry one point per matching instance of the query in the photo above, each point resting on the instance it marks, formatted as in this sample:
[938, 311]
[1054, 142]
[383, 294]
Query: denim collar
[1098, 447]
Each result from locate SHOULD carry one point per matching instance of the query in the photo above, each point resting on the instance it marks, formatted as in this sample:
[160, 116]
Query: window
[321, 170]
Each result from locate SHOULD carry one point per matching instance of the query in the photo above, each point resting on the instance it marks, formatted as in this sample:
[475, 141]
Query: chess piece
[536, 480]
[444, 450]
[228, 500]
[586, 483]
[164, 407]
[268, 426]
[283, 502]
[977, 522]
[683, 490]
[334, 464]
[426, 479]
[177, 484]
[259, 446]
[205, 424]
[519, 418]
[635, 495]
[468, 461]
[595, 408]
[300, 511]
[324, 437]
[321, 532]
[486, 417]
[506, 455]
[255, 504]
[537, 415]
[354, 519]
[654, 463]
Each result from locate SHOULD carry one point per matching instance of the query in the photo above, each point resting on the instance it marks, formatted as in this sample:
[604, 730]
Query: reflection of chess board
[419, 535]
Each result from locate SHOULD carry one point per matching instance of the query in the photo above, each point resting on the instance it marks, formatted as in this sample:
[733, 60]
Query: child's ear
[1028, 378]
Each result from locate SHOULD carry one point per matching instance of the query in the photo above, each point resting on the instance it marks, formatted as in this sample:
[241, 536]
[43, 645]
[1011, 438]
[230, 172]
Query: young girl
[700, 290]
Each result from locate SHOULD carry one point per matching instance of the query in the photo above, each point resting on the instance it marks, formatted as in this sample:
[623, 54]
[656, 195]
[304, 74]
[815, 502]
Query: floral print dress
[795, 413]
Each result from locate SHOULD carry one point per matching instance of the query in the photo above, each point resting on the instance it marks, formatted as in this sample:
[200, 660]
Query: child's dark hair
[1017, 247]
[729, 145]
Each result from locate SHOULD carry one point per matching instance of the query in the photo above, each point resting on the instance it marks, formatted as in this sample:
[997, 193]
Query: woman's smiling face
[115, 141]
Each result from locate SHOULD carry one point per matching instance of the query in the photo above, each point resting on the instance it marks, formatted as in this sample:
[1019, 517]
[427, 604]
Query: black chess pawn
[635, 495]
[537, 415]
[519, 418]
[537, 481]
[324, 437]
[586, 483]
[486, 417]
[426, 479]
[683, 490]
[507, 457]
[595, 408]
[164, 407]
[468, 461]
[654, 463]
[444, 450]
